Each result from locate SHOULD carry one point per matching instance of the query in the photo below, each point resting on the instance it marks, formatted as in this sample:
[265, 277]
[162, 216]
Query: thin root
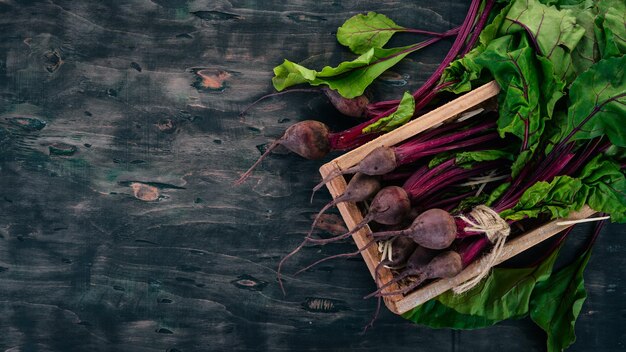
[247, 174]
[342, 255]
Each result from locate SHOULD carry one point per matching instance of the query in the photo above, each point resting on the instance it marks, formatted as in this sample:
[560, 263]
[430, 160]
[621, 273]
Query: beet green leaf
[556, 303]
[405, 111]
[363, 32]
[349, 78]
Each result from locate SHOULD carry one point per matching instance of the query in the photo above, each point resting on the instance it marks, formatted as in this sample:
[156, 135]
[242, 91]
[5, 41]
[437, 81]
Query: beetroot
[361, 187]
[308, 139]
[445, 265]
[434, 229]
[383, 159]
[355, 107]
[389, 207]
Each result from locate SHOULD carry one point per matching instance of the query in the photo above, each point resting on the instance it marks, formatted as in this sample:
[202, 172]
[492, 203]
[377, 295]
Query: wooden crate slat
[352, 216]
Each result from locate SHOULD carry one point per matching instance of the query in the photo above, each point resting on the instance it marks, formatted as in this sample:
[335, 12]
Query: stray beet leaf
[373, 30]
[349, 78]
[558, 198]
[405, 111]
[605, 185]
[362, 32]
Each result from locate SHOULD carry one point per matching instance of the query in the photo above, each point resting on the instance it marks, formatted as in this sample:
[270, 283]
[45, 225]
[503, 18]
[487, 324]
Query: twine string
[486, 220]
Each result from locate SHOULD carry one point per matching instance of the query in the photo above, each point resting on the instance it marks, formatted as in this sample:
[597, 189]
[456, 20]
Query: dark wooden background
[119, 227]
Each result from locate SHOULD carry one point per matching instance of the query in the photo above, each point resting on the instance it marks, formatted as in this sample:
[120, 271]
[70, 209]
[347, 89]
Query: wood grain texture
[120, 230]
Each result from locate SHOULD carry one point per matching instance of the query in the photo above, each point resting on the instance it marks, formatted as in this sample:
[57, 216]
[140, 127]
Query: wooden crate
[351, 214]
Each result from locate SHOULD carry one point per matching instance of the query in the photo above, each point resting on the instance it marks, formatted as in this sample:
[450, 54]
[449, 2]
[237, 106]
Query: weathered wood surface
[120, 231]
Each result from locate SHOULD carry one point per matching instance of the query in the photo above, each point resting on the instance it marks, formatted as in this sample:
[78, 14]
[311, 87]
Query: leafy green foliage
[469, 158]
[598, 102]
[505, 294]
[514, 66]
[554, 32]
[362, 32]
[462, 72]
[349, 78]
[405, 111]
[535, 50]
[558, 198]
[540, 51]
[609, 28]
[605, 186]
[555, 303]
[586, 52]
[434, 314]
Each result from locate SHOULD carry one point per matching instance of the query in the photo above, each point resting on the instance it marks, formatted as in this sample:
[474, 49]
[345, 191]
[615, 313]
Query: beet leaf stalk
[383, 160]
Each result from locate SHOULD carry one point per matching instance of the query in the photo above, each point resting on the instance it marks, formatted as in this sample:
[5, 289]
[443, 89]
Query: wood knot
[144, 192]
[210, 79]
[52, 61]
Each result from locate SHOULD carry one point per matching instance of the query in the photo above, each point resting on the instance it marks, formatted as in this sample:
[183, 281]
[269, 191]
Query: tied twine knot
[486, 220]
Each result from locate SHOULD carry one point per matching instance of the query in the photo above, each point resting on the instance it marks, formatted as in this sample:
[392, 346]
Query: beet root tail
[304, 242]
[332, 175]
[342, 255]
[247, 174]
[270, 95]
[379, 293]
[358, 226]
[374, 317]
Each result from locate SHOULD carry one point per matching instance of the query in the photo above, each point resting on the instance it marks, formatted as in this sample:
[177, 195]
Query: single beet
[445, 265]
[361, 187]
[355, 107]
[420, 257]
[434, 229]
[309, 139]
[401, 250]
[389, 207]
[383, 159]
[408, 253]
